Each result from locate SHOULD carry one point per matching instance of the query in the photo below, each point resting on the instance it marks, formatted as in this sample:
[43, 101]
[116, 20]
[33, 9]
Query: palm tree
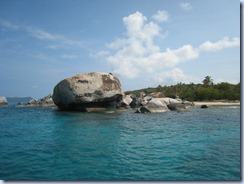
[208, 81]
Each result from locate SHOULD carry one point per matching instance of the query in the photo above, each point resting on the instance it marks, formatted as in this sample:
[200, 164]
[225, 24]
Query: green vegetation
[197, 92]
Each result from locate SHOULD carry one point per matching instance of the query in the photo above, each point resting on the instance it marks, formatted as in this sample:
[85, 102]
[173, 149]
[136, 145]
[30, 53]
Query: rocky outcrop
[136, 102]
[150, 105]
[126, 101]
[3, 101]
[46, 101]
[157, 95]
[179, 107]
[153, 106]
[168, 100]
[91, 90]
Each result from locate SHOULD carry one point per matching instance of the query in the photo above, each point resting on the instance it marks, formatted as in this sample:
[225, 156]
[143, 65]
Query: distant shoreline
[215, 103]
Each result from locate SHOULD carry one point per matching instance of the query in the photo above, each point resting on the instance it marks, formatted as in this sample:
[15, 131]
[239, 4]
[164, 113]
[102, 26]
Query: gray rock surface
[154, 106]
[126, 101]
[91, 90]
[3, 101]
[136, 102]
[168, 100]
[179, 107]
[46, 101]
[157, 95]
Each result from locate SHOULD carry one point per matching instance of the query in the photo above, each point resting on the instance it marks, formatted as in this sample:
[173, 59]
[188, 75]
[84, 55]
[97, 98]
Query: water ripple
[45, 144]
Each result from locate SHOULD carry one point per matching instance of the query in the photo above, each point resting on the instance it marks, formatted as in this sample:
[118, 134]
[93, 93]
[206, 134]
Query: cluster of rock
[102, 91]
[3, 101]
[148, 104]
[46, 101]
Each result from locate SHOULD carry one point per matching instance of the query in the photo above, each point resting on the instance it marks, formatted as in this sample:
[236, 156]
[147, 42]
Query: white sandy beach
[214, 103]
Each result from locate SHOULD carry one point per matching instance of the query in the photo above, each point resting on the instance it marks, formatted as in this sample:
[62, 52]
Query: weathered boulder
[136, 102]
[32, 101]
[142, 94]
[3, 101]
[168, 100]
[91, 90]
[157, 95]
[179, 107]
[126, 101]
[46, 101]
[153, 106]
[147, 98]
[187, 103]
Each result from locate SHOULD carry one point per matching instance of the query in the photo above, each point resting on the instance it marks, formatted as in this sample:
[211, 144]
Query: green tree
[207, 81]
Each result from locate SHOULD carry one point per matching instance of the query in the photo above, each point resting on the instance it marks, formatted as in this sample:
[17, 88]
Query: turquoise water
[46, 144]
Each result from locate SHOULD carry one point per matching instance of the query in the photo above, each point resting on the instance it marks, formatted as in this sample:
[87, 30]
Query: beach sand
[217, 103]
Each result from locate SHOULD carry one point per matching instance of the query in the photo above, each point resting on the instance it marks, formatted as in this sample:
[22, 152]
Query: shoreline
[216, 103]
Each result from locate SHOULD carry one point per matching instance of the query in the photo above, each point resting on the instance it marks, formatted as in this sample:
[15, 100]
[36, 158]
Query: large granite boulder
[153, 106]
[91, 90]
[3, 101]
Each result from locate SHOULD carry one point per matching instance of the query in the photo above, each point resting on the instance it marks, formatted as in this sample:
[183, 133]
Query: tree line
[207, 91]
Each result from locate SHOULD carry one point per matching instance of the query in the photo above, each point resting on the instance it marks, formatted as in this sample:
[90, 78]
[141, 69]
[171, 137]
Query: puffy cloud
[175, 75]
[222, 44]
[186, 6]
[161, 16]
[136, 54]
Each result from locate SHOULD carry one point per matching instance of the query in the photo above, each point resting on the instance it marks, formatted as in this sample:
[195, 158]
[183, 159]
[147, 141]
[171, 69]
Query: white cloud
[219, 80]
[161, 16]
[175, 75]
[136, 54]
[41, 34]
[186, 6]
[9, 25]
[226, 42]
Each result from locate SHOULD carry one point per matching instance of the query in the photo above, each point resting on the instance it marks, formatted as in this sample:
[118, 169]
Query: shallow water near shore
[46, 144]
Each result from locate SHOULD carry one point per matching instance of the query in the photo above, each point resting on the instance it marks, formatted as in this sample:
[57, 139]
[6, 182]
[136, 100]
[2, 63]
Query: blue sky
[144, 43]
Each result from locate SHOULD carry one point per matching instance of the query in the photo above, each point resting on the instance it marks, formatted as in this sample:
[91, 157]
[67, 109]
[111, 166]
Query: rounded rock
[88, 90]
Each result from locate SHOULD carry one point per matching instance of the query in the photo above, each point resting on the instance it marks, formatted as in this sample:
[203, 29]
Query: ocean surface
[47, 144]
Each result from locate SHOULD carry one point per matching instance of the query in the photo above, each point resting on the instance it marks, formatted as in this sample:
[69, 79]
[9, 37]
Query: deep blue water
[46, 144]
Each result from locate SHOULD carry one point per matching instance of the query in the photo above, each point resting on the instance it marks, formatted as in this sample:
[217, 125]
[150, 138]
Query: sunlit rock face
[3, 101]
[91, 90]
